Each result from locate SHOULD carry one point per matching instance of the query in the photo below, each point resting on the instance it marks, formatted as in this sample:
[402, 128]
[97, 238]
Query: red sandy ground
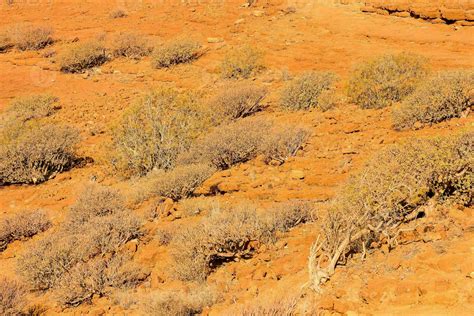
[429, 277]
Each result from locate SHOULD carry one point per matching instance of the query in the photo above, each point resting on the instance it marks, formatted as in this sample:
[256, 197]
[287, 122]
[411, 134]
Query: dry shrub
[32, 107]
[284, 142]
[30, 37]
[292, 213]
[154, 131]
[238, 100]
[22, 226]
[445, 95]
[118, 13]
[82, 56]
[179, 182]
[175, 52]
[243, 140]
[228, 145]
[228, 234]
[394, 188]
[34, 153]
[5, 42]
[280, 307]
[130, 45]
[84, 257]
[241, 63]
[197, 205]
[12, 297]
[384, 80]
[179, 303]
[303, 92]
[96, 278]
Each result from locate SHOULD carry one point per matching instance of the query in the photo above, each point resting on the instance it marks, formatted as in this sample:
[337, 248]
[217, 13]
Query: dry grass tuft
[82, 56]
[12, 297]
[175, 52]
[130, 45]
[22, 226]
[384, 80]
[30, 37]
[238, 100]
[118, 13]
[443, 96]
[32, 107]
[241, 63]
[154, 131]
[284, 142]
[34, 153]
[303, 93]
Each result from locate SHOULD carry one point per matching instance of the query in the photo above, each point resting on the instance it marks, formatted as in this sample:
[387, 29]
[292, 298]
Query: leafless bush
[176, 52]
[153, 132]
[394, 187]
[384, 80]
[284, 142]
[97, 277]
[281, 307]
[118, 13]
[228, 234]
[196, 205]
[179, 182]
[82, 56]
[130, 45]
[34, 153]
[5, 42]
[443, 96]
[303, 92]
[21, 226]
[238, 100]
[179, 303]
[241, 63]
[228, 145]
[12, 297]
[30, 37]
[31, 107]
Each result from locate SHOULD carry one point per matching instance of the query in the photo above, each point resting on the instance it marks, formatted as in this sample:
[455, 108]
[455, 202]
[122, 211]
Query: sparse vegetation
[21, 226]
[445, 95]
[5, 42]
[384, 80]
[227, 234]
[241, 63]
[179, 303]
[393, 188]
[175, 52]
[12, 297]
[153, 132]
[34, 153]
[82, 56]
[243, 140]
[130, 45]
[32, 107]
[83, 258]
[178, 183]
[30, 37]
[238, 100]
[118, 13]
[303, 92]
[276, 307]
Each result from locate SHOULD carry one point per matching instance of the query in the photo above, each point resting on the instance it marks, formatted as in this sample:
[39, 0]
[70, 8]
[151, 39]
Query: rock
[258, 13]
[403, 14]
[453, 14]
[297, 174]
[368, 9]
[215, 40]
[239, 21]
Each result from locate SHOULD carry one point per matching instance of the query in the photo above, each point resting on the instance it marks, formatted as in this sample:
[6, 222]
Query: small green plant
[154, 131]
[238, 100]
[443, 96]
[241, 63]
[176, 52]
[384, 80]
[130, 45]
[82, 56]
[303, 93]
